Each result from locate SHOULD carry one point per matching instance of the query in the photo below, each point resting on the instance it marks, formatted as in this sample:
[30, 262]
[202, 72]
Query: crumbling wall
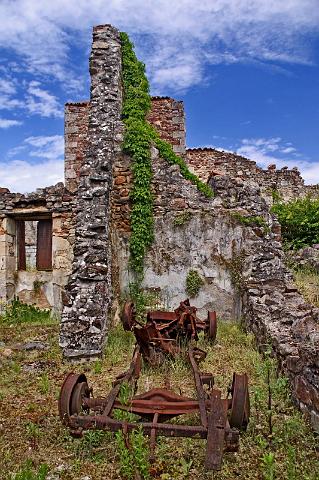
[273, 309]
[88, 294]
[168, 117]
[42, 288]
[241, 265]
[209, 162]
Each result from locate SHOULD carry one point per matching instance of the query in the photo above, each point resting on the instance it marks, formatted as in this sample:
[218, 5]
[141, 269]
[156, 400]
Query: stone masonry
[209, 162]
[76, 141]
[272, 308]
[88, 294]
[167, 116]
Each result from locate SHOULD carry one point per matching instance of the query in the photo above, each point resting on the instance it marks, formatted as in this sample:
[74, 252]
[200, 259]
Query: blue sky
[247, 70]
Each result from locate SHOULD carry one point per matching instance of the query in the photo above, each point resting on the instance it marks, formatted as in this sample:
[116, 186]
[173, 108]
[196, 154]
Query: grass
[307, 281]
[33, 440]
[16, 313]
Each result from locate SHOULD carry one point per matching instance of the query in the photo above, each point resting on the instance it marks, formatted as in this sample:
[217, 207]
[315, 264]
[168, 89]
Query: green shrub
[17, 312]
[193, 283]
[299, 221]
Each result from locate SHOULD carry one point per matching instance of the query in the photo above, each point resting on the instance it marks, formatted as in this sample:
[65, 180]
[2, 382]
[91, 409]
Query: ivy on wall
[139, 135]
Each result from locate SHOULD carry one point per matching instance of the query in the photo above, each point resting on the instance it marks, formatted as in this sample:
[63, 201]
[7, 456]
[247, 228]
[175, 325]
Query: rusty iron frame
[163, 332]
[158, 406]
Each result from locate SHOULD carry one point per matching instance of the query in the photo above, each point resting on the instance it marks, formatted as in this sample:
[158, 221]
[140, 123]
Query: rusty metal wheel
[240, 408]
[212, 325]
[128, 316]
[81, 391]
[73, 390]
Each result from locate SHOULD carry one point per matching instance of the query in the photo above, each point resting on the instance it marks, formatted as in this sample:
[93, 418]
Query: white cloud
[41, 102]
[7, 87]
[175, 39]
[22, 176]
[26, 176]
[262, 150]
[7, 95]
[46, 147]
[6, 123]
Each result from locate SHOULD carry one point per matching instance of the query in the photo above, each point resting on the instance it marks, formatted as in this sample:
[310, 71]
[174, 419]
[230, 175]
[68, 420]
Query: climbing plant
[139, 135]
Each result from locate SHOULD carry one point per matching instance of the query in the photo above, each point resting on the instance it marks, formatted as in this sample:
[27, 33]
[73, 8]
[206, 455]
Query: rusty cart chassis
[220, 419]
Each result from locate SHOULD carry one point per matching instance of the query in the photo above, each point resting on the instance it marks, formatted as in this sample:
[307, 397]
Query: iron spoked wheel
[212, 325]
[240, 409]
[128, 316]
[73, 390]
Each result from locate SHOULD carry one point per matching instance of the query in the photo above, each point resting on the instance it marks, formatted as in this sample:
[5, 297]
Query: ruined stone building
[67, 247]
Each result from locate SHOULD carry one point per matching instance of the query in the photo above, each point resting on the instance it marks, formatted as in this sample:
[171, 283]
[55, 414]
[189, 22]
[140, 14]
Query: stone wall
[167, 116]
[51, 202]
[75, 137]
[272, 307]
[88, 295]
[209, 162]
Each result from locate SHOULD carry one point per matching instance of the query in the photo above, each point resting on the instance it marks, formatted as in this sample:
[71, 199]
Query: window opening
[34, 244]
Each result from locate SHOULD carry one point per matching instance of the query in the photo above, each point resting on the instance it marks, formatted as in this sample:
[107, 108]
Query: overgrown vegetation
[139, 136]
[182, 218]
[236, 267]
[299, 221]
[37, 434]
[307, 281]
[193, 283]
[143, 300]
[17, 312]
[252, 221]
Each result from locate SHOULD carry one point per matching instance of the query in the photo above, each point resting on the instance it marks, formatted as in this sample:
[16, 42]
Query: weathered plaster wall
[88, 293]
[205, 242]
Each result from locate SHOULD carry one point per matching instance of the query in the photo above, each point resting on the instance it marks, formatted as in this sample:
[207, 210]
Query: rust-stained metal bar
[199, 387]
[163, 429]
[215, 432]
[125, 378]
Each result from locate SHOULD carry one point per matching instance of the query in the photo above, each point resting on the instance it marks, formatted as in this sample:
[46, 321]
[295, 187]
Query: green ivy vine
[139, 135]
